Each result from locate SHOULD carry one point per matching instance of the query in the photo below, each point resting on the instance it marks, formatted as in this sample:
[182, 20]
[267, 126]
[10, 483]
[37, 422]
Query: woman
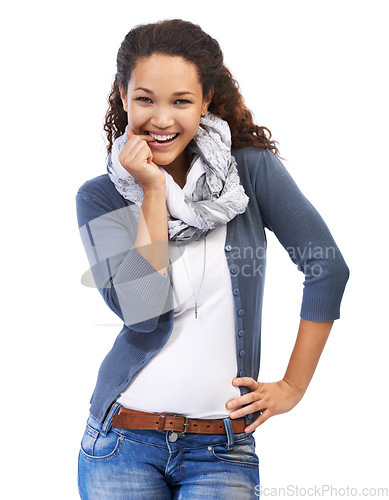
[175, 235]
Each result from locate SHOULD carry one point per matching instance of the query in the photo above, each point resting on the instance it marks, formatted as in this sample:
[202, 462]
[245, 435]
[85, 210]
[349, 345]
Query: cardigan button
[240, 312]
[241, 333]
[228, 248]
[234, 269]
[241, 353]
[236, 291]
[241, 373]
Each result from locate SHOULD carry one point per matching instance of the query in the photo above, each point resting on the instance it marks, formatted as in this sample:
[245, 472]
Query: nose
[162, 117]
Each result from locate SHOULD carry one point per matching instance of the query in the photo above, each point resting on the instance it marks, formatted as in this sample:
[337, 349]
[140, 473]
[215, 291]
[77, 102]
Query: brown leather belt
[133, 419]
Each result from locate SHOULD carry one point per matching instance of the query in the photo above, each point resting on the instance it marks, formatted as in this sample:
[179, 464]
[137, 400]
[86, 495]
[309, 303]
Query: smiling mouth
[163, 138]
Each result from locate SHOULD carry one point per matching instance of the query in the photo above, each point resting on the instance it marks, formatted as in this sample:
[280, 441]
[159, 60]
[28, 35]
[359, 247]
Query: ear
[207, 102]
[123, 96]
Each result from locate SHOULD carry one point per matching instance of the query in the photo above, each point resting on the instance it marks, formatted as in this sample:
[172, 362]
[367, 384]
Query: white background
[316, 74]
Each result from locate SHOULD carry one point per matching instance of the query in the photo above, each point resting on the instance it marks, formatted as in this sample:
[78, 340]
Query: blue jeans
[149, 464]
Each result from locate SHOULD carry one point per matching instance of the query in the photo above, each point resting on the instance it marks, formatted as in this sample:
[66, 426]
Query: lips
[162, 138]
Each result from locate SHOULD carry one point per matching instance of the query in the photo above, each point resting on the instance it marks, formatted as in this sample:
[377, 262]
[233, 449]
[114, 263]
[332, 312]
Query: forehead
[165, 72]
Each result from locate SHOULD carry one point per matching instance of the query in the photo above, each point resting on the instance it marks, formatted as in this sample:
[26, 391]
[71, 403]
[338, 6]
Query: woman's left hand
[269, 398]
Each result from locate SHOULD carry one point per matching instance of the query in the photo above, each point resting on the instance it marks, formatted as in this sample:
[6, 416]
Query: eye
[143, 99]
[182, 101]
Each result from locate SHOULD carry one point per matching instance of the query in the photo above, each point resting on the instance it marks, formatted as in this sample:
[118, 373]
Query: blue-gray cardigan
[142, 297]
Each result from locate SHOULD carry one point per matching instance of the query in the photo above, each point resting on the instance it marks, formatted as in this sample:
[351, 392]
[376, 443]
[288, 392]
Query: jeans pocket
[96, 447]
[241, 453]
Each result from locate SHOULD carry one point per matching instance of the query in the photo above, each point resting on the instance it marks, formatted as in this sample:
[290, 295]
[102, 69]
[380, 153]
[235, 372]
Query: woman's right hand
[136, 157]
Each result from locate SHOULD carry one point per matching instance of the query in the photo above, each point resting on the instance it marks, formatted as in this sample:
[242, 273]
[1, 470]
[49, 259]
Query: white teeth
[162, 137]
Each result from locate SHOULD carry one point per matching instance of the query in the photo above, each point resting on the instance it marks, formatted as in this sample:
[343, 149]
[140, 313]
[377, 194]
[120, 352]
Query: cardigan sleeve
[303, 233]
[131, 287]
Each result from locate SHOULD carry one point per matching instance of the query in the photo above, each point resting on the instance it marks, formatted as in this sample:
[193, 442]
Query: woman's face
[165, 99]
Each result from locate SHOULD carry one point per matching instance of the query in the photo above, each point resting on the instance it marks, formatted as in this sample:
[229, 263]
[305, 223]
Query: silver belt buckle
[186, 424]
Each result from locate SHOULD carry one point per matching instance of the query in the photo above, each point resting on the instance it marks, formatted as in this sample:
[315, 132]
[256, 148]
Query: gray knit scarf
[212, 195]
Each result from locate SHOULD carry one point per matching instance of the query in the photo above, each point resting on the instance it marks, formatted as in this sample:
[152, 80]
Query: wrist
[297, 390]
[158, 187]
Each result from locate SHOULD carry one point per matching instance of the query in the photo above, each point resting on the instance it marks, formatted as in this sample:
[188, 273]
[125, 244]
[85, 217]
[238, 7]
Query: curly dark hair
[176, 37]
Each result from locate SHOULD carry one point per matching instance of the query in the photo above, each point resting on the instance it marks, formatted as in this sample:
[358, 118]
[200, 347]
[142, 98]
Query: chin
[165, 159]
[159, 160]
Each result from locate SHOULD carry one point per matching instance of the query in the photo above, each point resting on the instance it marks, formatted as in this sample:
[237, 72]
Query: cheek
[192, 123]
[136, 117]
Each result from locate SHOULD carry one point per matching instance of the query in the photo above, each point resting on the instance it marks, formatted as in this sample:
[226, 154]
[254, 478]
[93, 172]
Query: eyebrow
[181, 92]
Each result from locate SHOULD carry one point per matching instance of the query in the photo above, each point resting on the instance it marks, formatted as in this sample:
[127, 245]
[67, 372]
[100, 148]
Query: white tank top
[192, 374]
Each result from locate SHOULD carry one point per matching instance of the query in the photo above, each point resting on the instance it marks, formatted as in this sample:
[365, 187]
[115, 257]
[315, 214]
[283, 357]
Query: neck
[179, 168]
